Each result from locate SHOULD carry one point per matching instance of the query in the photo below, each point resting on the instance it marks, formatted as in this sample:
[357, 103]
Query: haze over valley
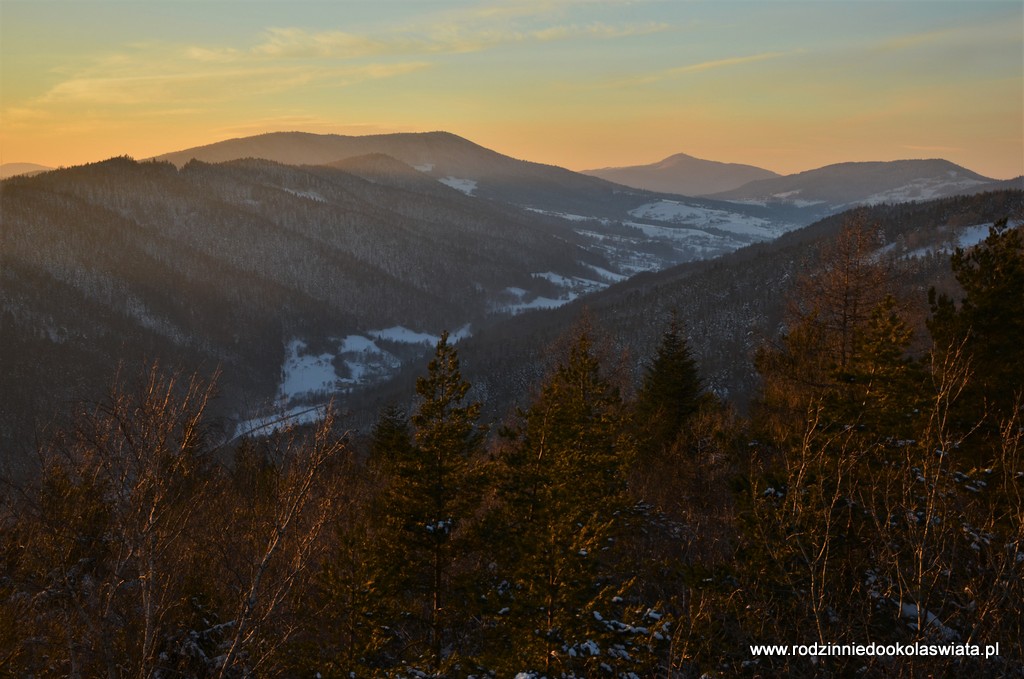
[310, 266]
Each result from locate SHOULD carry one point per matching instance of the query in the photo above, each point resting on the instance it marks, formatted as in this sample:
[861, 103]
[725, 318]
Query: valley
[279, 259]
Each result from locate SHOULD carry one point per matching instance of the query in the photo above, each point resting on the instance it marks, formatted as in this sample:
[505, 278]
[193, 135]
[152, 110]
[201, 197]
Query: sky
[788, 86]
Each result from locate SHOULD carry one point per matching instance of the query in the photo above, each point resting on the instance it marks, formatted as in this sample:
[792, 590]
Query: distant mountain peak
[16, 169]
[308, 148]
[864, 182]
[684, 174]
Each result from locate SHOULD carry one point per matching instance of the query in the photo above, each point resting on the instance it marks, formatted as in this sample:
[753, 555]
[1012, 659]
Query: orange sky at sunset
[788, 86]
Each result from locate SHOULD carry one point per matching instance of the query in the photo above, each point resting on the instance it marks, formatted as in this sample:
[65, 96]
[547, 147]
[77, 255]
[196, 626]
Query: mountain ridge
[841, 185]
[486, 173]
[684, 174]
[21, 169]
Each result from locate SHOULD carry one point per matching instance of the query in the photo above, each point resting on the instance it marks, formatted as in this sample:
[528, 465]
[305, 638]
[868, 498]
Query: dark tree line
[603, 529]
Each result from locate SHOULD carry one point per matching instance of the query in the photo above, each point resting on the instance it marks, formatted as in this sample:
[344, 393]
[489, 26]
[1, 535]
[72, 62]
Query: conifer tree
[989, 323]
[883, 388]
[432, 494]
[564, 490]
[671, 390]
[391, 438]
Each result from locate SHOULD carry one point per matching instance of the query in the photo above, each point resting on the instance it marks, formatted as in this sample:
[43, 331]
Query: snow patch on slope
[404, 335]
[279, 421]
[304, 374]
[308, 195]
[467, 186]
[567, 216]
[924, 189]
[964, 238]
[572, 287]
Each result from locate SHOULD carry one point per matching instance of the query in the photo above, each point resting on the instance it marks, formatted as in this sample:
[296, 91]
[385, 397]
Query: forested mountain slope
[639, 230]
[734, 304]
[222, 264]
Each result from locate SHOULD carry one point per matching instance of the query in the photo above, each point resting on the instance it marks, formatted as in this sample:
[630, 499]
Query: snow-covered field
[671, 232]
[696, 216]
[308, 378]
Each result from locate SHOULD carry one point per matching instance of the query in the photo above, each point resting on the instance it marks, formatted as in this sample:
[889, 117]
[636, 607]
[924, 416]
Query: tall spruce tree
[671, 391]
[433, 494]
[564, 492]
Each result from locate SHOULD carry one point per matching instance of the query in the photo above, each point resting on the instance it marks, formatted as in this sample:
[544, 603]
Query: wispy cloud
[719, 63]
[986, 33]
[688, 69]
[439, 39]
[599, 30]
[914, 40]
[144, 85]
[291, 43]
[286, 58]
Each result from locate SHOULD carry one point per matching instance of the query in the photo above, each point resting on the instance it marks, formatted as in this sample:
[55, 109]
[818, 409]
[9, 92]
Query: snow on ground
[571, 283]
[883, 252]
[911, 612]
[573, 287]
[404, 335]
[425, 167]
[693, 215]
[307, 378]
[789, 197]
[310, 195]
[967, 237]
[690, 243]
[701, 233]
[693, 237]
[622, 250]
[556, 278]
[467, 186]
[278, 421]
[973, 235]
[304, 374]
[464, 332]
[923, 189]
[567, 216]
[358, 343]
[606, 274]
[538, 303]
